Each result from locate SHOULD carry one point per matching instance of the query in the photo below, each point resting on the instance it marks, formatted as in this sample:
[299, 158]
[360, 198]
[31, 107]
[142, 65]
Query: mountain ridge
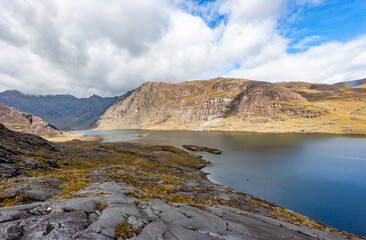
[64, 111]
[360, 83]
[239, 105]
[26, 123]
[21, 122]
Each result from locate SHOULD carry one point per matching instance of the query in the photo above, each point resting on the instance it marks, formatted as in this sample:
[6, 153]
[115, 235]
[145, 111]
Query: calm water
[320, 176]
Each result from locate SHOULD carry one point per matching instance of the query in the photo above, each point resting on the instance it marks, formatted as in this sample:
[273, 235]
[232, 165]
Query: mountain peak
[63, 111]
[12, 92]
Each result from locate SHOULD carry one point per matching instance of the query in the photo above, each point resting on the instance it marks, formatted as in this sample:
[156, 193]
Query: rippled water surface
[320, 176]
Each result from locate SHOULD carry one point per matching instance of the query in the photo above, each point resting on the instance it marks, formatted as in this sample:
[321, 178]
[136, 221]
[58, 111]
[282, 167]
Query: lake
[320, 176]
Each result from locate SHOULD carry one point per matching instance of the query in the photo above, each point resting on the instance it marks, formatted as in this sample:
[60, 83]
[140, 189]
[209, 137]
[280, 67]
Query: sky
[84, 47]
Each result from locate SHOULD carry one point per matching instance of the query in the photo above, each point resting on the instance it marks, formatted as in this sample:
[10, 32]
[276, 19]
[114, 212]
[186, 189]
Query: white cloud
[305, 43]
[330, 62]
[85, 47]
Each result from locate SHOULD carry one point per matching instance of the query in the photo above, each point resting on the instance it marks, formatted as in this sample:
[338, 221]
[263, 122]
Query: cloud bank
[84, 47]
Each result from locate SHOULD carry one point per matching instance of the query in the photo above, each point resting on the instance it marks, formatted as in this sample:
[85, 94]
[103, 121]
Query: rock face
[240, 105]
[170, 105]
[66, 112]
[23, 122]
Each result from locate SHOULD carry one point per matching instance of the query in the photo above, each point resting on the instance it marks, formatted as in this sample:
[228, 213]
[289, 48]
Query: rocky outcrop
[17, 150]
[23, 122]
[202, 149]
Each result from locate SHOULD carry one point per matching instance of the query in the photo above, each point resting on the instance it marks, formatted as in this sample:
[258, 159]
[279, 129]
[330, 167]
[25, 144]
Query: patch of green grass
[126, 231]
[142, 135]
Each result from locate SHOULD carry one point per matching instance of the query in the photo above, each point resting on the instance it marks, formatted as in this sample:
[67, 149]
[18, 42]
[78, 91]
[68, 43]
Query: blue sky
[339, 20]
[85, 47]
[328, 20]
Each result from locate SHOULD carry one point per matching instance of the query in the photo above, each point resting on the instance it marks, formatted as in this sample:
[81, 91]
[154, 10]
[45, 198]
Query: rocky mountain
[26, 123]
[92, 190]
[66, 112]
[240, 104]
[22, 122]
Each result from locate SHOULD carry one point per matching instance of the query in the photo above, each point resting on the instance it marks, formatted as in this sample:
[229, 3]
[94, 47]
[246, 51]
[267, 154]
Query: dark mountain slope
[63, 111]
[353, 84]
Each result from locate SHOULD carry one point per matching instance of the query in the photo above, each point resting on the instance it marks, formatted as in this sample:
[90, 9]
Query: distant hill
[232, 104]
[66, 112]
[19, 121]
[353, 84]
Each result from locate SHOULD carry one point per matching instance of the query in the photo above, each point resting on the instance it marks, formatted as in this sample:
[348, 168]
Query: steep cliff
[233, 104]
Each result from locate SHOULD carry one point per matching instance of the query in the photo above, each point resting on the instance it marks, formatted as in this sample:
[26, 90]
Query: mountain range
[65, 112]
[228, 104]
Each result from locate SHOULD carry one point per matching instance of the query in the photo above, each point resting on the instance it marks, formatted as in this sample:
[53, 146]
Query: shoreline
[239, 131]
[96, 190]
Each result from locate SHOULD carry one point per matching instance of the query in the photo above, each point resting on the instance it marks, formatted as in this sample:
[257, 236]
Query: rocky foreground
[92, 190]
